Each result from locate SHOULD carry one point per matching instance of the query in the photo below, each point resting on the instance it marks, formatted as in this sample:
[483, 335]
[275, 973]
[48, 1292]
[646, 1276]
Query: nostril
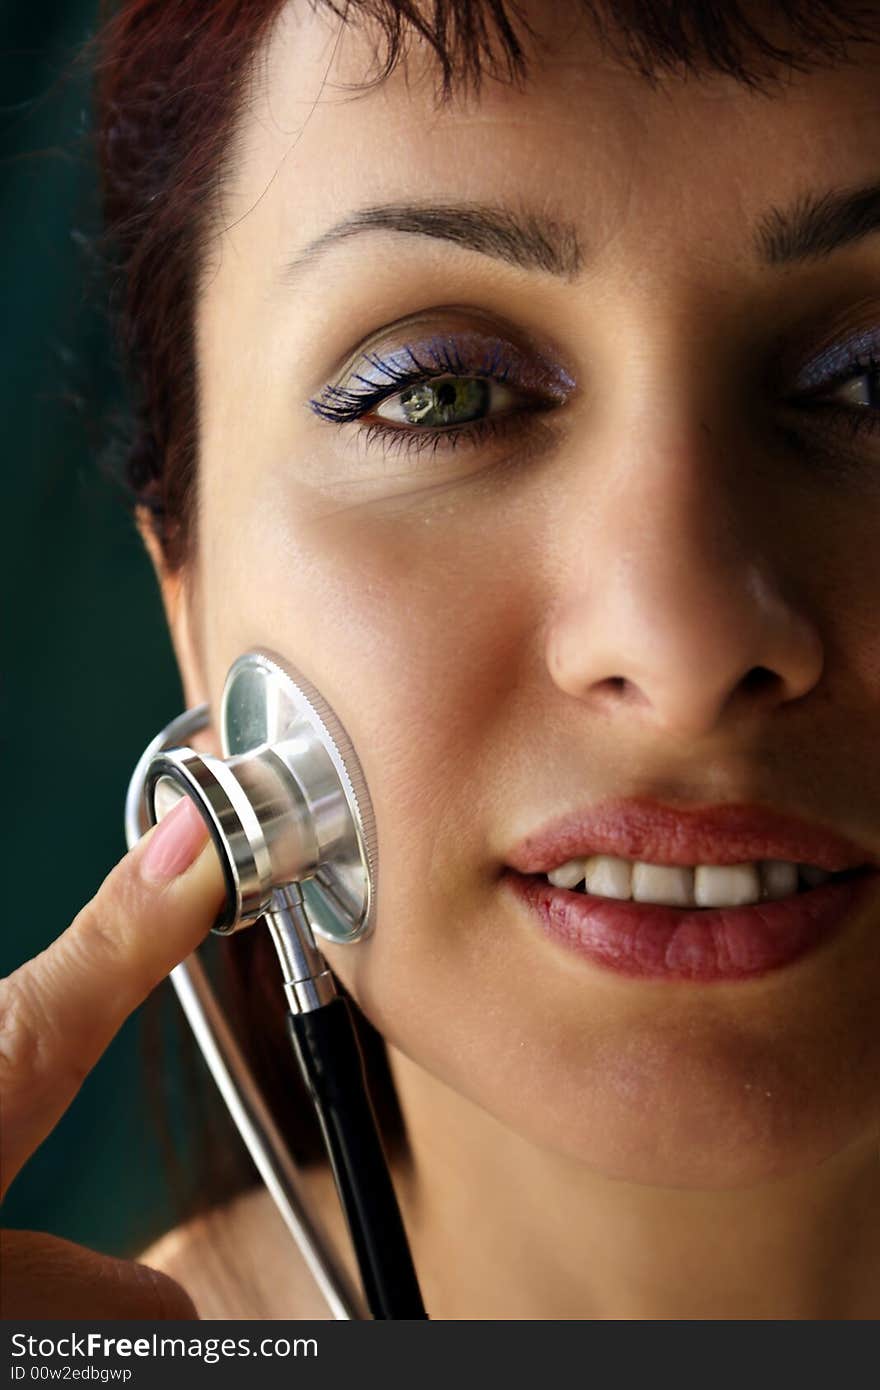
[759, 679]
[618, 685]
[620, 689]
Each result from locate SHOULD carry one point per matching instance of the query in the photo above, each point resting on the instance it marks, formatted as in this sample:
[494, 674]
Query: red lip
[708, 944]
[641, 828]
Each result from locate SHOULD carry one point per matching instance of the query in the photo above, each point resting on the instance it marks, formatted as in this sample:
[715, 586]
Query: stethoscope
[289, 812]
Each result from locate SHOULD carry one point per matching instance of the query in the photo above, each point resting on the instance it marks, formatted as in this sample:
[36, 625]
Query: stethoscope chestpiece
[259, 824]
[286, 805]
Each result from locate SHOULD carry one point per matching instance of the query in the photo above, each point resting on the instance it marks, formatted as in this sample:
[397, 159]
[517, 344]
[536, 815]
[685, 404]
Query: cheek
[415, 635]
[839, 579]
[410, 651]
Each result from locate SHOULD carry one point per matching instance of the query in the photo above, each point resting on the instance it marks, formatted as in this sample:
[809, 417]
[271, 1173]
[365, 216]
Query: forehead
[689, 158]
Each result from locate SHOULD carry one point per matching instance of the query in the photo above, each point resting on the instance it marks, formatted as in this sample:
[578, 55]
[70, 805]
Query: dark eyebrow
[531, 240]
[815, 225]
[812, 226]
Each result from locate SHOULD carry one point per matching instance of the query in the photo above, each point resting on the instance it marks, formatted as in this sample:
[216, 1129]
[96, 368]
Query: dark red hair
[170, 80]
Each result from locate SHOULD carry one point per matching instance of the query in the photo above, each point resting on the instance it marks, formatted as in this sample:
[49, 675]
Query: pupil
[445, 393]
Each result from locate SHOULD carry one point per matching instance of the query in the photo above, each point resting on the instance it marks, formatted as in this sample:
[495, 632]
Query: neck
[502, 1229]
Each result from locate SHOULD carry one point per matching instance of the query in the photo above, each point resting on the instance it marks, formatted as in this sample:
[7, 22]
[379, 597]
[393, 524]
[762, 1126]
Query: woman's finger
[43, 1276]
[59, 1011]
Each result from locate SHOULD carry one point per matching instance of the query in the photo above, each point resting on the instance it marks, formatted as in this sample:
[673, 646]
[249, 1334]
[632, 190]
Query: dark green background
[89, 671]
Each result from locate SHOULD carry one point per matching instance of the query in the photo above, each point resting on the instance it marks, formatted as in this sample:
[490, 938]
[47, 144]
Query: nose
[675, 598]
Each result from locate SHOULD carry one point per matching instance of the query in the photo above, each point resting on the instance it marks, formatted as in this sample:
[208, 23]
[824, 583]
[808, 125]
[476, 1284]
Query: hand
[58, 1012]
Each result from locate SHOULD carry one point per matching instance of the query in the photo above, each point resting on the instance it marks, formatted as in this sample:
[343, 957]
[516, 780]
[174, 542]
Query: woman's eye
[861, 390]
[844, 389]
[445, 401]
[443, 397]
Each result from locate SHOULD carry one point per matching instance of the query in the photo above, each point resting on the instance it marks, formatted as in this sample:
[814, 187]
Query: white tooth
[608, 877]
[813, 877]
[672, 884]
[779, 878]
[568, 874]
[726, 885]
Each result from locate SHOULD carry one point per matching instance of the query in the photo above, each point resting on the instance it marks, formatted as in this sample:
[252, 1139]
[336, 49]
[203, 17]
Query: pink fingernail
[175, 842]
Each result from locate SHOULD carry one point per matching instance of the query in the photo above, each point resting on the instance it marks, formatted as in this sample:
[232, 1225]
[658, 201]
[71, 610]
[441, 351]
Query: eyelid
[465, 354]
[834, 362]
[462, 324]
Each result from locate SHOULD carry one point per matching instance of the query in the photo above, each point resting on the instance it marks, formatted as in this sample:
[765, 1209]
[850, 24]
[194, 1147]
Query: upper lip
[643, 829]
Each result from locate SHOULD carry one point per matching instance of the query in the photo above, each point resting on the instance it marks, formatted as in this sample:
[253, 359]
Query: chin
[646, 1083]
[662, 1110]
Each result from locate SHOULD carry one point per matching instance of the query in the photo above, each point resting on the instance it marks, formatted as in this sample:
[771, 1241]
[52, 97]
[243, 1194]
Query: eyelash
[341, 405]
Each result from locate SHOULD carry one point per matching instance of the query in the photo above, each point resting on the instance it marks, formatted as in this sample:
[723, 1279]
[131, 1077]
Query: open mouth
[686, 939]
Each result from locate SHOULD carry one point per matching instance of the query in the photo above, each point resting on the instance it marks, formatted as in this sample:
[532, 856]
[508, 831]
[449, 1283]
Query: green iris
[446, 401]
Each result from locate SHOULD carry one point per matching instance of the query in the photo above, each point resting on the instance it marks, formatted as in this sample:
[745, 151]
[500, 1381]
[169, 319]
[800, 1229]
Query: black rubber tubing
[330, 1059]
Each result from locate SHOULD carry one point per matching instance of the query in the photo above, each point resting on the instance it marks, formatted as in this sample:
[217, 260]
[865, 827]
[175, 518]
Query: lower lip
[670, 943]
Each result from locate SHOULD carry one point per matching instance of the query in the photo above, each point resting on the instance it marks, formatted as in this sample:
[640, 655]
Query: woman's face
[567, 608]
